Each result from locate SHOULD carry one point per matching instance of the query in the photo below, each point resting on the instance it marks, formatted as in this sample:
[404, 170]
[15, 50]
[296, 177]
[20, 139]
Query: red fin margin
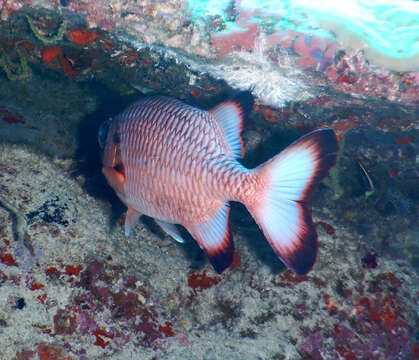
[291, 233]
[230, 116]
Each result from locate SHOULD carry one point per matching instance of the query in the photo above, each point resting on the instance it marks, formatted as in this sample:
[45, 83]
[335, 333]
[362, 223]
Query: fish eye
[103, 132]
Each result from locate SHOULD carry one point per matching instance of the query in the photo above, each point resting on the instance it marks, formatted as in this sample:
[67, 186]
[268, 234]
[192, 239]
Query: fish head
[112, 165]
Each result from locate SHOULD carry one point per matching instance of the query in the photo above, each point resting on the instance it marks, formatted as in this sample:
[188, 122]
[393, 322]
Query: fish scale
[178, 164]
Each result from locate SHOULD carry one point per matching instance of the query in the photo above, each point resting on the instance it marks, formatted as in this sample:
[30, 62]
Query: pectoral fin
[131, 218]
[171, 230]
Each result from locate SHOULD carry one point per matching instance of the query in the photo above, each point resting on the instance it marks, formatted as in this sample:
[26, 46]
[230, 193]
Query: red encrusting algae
[50, 53]
[202, 281]
[327, 227]
[36, 286]
[289, 278]
[403, 140]
[51, 270]
[342, 126]
[167, 329]
[8, 259]
[67, 68]
[11, 117]
[43, 352]
[42, 298]
[81, 36]
[72, 270]
[236, 40]
[98, 333]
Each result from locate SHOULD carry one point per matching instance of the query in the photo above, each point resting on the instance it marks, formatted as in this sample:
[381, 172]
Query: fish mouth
[103, 132]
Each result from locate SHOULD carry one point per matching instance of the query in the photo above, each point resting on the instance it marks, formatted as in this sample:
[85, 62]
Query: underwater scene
[209, 180]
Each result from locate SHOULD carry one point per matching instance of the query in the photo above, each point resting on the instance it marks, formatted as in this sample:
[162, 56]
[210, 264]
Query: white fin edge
[171, 230]
[230, 118]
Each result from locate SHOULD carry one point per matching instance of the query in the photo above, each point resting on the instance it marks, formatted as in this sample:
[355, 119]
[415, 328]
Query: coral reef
[92, 293]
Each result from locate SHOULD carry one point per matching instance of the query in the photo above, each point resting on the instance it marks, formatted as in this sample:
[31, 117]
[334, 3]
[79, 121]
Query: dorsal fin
[230, 115]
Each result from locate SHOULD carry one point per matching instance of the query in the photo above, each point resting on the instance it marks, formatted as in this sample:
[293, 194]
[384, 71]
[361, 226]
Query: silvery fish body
[178, 164]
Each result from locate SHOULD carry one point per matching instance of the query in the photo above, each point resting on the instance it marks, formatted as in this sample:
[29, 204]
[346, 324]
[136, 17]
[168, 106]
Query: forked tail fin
[280, 207]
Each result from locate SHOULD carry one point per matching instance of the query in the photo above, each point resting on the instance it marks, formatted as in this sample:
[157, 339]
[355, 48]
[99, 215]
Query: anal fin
[213, 236]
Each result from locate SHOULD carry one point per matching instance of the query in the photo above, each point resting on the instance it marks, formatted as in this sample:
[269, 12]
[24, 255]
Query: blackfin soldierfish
[178, 164]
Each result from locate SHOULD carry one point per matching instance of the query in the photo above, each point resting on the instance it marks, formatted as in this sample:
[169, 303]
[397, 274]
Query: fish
[180, 165]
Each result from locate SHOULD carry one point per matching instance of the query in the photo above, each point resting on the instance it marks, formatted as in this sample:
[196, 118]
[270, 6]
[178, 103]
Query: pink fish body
[178, 164]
